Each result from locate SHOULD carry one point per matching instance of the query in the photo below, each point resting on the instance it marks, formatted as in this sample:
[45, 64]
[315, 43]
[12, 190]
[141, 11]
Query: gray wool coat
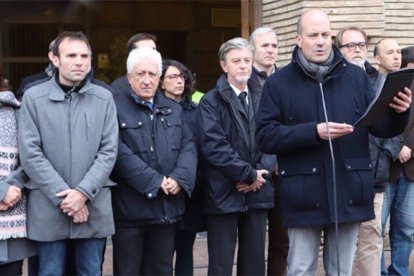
[68, 142]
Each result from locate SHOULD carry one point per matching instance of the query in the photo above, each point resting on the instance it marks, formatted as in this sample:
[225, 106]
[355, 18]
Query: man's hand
[73, 202]
[336, 130]
[164, 185]
[12, 196]
[405, 154]
[82, 215]
[243, 187]
[3, 206]
[256, 185]
[170, 186]
[402, 101]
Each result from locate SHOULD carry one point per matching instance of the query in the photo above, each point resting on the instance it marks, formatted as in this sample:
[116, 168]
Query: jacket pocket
[174, 129]
[301, 187]
[133, 134]
[359, 186]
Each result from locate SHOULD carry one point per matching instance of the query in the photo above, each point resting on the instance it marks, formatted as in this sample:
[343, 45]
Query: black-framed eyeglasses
[353, 45]
[174, 77]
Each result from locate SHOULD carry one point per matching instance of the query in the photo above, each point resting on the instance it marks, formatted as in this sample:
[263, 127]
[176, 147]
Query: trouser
[369, 247]
[278, 246]
[11, 269]
[144, 250]
[304, 245]
[222, 233]
[88, 252]
[399, 205]
[184, 242]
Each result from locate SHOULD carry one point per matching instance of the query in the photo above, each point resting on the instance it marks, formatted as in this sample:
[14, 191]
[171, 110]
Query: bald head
[310, 15]
[314, 36]
[388, 55]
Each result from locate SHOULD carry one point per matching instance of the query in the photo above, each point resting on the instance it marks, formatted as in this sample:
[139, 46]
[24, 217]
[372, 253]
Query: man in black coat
[155, 168]
[237, 189]
[306, 117]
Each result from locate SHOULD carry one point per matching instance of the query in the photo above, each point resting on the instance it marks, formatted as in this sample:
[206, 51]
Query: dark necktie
[149, 104]
[242, 97]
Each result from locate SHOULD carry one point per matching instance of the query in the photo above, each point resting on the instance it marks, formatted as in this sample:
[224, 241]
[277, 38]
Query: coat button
[313, 169]
[370, 165]
[123, 125]
[139, 123]
[351, 202]
[344, 65]
[282, 172]
[150, 195]
[348, 167]
[317, 205]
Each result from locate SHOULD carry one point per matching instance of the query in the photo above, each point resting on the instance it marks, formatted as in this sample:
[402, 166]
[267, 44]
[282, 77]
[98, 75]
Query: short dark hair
[407, 56]
[138, 37]
[190, 83]
[70, 35]
[376, 48]
[340, 34]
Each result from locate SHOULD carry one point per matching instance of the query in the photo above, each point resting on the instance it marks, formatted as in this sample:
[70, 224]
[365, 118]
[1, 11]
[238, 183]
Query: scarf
[316, 70]
[13, 220]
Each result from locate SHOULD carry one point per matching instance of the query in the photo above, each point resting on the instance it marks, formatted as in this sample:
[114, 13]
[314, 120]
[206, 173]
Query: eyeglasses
[174, 77]
[353, 45]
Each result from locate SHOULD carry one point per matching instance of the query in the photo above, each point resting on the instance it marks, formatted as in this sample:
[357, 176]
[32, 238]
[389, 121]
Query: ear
[223, 66]
[377, 60]
[129, 77]
[50, 55]
[299, 40]
[55, 60]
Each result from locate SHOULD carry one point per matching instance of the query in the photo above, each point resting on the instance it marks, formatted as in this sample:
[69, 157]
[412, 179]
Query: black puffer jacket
[225, 158]
[152, 144]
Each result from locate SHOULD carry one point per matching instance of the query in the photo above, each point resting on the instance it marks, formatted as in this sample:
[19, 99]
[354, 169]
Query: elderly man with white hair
[155, 167]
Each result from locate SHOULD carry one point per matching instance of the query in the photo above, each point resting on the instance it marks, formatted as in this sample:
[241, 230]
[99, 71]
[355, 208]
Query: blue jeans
[52, 257]
[399, 205]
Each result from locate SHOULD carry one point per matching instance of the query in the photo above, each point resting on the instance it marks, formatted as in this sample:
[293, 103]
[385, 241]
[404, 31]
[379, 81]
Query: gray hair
[260, 31]
[234, 43]
[139, 54]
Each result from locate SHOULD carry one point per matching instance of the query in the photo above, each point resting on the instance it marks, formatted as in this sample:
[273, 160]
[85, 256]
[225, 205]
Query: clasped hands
[74, 205]
[13, 195]
[256, 185]
[170, 186]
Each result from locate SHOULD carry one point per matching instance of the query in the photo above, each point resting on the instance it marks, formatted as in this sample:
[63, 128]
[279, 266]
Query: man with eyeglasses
[352, 41]
[399, 192]
[155, 167]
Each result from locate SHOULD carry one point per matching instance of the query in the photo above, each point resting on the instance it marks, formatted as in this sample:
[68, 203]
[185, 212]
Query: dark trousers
[144, 250]
[278, 247]
[12, 269]
[184, 242]
[222, 233]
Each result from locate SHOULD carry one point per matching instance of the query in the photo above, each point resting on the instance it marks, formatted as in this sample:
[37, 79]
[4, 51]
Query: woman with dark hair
[178, 83]
[14, 246]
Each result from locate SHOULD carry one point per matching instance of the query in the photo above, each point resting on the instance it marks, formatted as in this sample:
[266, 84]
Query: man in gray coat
[68, 140]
